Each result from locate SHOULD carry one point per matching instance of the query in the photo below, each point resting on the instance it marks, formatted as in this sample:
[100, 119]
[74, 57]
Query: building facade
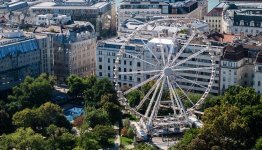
[74, 48]
[238, 19]
[138, 50]
[149, 10]
[99, 13]
[240, 66]
[214, 18]
[22, 55]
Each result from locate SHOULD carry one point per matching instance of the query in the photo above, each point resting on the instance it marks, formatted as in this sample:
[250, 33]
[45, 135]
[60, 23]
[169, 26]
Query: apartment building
[138, 54]
[22, 55]
[239, 19]
[240, 64]
[99, 13]
[214, 18]
[74, 48]
[147, 10]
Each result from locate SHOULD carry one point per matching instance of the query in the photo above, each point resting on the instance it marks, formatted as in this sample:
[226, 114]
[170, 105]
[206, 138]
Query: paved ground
[163, 144]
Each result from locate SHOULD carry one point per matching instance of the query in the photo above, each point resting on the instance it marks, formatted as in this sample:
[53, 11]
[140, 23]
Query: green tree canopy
[40, 118]
[23, 138]
[104, 135]
[96, 117]
[32, 92]
[87, 140]
[134, 97]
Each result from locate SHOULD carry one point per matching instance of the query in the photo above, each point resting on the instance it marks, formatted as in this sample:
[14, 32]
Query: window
[124, 77]
[130, 63]
[108, 60]
[109, 75]
[124, 69]
[114, 60]
[100, 59]
[138, 64]
[108, 67]
[124, 62]
[130, 78]
[100, 74]
[258, 83]
[138, 80]
[100, 53]
[100, 66]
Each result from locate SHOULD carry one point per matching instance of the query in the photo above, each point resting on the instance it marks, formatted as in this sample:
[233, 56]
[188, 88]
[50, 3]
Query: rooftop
[53, 5]
[215, 12]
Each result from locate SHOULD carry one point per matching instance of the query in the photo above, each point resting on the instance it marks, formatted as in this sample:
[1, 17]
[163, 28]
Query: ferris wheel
[172, 68]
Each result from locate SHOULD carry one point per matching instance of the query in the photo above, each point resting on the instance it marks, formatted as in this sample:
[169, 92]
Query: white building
[240, 66]
[139, 49]
[258, 73]
[239, 19]
[147, 10]
[214, 18]
[52, 19]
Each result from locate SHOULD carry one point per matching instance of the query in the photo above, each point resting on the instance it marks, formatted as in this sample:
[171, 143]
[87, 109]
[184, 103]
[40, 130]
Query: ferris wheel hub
[168, 71]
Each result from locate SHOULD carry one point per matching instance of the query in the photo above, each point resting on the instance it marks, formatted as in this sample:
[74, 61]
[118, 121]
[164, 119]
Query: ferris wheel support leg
[148, 93]
[157, 103]
[171, 96]
[184, 93]
[179, 103]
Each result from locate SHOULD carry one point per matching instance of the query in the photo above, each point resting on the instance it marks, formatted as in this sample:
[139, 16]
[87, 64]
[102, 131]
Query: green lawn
[126, 141]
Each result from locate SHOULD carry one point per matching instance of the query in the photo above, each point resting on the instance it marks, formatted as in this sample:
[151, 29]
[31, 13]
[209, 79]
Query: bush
[124, 132]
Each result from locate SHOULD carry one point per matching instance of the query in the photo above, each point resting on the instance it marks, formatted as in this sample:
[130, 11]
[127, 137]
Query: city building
[147, 10]
[21, 55]
[240, 18]
[52, 19]
[99, 13]
[74, 48]
[258, 73]
[138, 50]
[240, 64]
[214, 18]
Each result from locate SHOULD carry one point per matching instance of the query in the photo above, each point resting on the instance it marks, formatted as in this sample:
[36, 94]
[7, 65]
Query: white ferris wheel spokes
[161, 60]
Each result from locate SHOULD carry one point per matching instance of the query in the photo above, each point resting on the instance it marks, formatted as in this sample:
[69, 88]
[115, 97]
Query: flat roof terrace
[53, 5]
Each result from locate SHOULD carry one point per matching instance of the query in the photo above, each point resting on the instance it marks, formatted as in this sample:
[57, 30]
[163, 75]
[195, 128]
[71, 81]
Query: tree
[77, 85]
[186, 140]
[240, 96]
[87, 140]
[6, 125]
[23, 138]
[25, 118]
[134, 97]
[40, 118]
[96, 117]
[32, 92]
[145, 88]
[223, 126]
[59, 138]
[100, 88]
[104, 135]
[258, 144]
[114, 112]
